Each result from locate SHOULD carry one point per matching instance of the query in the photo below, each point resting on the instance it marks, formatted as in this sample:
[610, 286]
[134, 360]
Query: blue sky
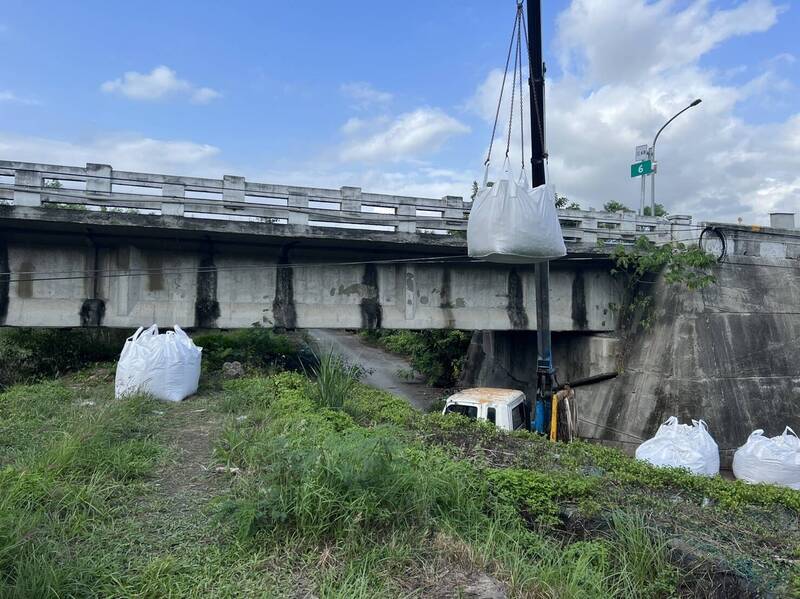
[397, 96]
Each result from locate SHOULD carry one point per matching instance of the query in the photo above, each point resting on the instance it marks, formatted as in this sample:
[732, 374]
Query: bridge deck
[91, 246]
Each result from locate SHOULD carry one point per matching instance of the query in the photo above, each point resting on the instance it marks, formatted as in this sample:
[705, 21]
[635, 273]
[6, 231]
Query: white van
[505, 408]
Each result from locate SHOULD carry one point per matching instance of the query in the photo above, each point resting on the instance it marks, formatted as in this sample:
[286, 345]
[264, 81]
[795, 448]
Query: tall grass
[66, 472]
[334, 380]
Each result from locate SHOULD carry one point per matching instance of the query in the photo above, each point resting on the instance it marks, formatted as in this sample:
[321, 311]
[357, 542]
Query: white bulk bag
[165, 366]
[513, 223]
[773, 460]
[682, 446]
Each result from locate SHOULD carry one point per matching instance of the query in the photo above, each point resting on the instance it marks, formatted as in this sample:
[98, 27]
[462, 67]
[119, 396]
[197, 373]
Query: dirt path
[189, 432]
[382, 366]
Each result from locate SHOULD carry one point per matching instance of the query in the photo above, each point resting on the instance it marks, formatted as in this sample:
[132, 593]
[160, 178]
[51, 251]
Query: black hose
[589, 380]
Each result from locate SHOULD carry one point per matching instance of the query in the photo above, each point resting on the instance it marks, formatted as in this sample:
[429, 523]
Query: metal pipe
[536, 70]
[589, 380]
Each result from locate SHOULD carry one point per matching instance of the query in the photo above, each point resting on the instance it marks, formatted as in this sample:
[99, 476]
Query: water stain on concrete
[371, 311]
[5, 282]
[206, 306]
[515, 308]
[25, 280]
[283, 308]
[92, 312]
[155, 274]
[579, 316]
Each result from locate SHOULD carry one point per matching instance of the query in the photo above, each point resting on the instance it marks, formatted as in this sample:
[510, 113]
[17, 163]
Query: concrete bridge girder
[230, 286]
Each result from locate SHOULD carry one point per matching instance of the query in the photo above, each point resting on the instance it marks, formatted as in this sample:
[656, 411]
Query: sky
[400, 97]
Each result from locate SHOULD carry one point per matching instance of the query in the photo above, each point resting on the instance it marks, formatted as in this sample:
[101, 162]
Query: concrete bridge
[91, 246]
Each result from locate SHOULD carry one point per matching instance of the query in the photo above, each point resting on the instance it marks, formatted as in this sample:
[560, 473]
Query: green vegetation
[334, 380]
[27, 355]
[684, 265]
[438, 355]
[67, 469]
[660, 210]
[256, 348]
[284, 484]
[615, 206]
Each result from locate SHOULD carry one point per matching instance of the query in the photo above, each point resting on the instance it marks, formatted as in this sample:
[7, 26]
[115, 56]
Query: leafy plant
[438, 355]
[257, 347]
[27, 355]
[660, 210]
[684, 265]
[615, 206]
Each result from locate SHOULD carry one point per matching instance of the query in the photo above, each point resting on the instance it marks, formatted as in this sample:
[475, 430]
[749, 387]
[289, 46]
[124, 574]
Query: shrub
[438, 355]
[257, 348]
[537, 493]
[27, 355]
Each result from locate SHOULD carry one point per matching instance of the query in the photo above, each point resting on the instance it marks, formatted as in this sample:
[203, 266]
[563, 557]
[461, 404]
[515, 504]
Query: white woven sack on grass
[513, 223]
[165, 366]
[774, 460]
[682, 446]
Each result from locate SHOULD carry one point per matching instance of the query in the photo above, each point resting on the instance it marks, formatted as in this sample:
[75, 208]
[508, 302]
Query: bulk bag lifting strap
[509, 221]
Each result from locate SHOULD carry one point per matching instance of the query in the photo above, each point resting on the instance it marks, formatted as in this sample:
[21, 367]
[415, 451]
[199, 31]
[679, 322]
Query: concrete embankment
[729, 354]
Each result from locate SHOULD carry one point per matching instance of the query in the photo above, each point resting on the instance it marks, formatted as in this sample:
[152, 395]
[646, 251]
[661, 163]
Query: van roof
[487, 395]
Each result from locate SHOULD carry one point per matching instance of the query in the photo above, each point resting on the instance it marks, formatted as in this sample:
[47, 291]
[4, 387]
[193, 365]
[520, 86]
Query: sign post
[641, 154]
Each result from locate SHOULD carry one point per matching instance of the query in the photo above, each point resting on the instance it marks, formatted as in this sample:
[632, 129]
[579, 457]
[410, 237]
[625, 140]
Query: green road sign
[645, 167]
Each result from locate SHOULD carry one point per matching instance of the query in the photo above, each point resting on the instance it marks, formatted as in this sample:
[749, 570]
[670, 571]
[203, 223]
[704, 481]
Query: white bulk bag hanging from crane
[510, 222]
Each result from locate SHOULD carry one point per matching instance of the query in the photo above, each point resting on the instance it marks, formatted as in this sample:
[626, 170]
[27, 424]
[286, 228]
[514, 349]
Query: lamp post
[653, 156]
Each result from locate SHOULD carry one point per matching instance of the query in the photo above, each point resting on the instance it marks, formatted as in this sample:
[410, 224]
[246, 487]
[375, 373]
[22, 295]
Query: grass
[334, 380]
[319, 474]
[357, 497]
[66, 469]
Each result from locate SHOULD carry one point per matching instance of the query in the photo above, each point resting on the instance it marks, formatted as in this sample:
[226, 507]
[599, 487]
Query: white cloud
[406, 137]
[621, 40]
[161, 82]
[122, 152]
[363, 95]
[713, 164]
[9, 96]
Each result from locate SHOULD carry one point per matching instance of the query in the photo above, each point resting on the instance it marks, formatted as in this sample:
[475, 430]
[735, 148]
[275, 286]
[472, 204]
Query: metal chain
[502, 87]
[513, 84]
[521, 96]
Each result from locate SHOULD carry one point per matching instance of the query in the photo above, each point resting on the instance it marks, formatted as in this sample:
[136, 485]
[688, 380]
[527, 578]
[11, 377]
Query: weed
[334, 380]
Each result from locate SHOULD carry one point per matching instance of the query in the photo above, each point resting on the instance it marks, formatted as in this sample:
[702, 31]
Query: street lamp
[653, 156]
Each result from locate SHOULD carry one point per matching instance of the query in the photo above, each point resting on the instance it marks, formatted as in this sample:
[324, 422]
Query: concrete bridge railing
[98, 187]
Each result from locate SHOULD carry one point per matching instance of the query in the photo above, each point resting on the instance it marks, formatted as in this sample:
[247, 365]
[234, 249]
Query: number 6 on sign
[645, 167]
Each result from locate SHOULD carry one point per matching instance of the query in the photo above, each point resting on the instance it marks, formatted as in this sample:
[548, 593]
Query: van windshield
[518, 416]
[468, 411]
